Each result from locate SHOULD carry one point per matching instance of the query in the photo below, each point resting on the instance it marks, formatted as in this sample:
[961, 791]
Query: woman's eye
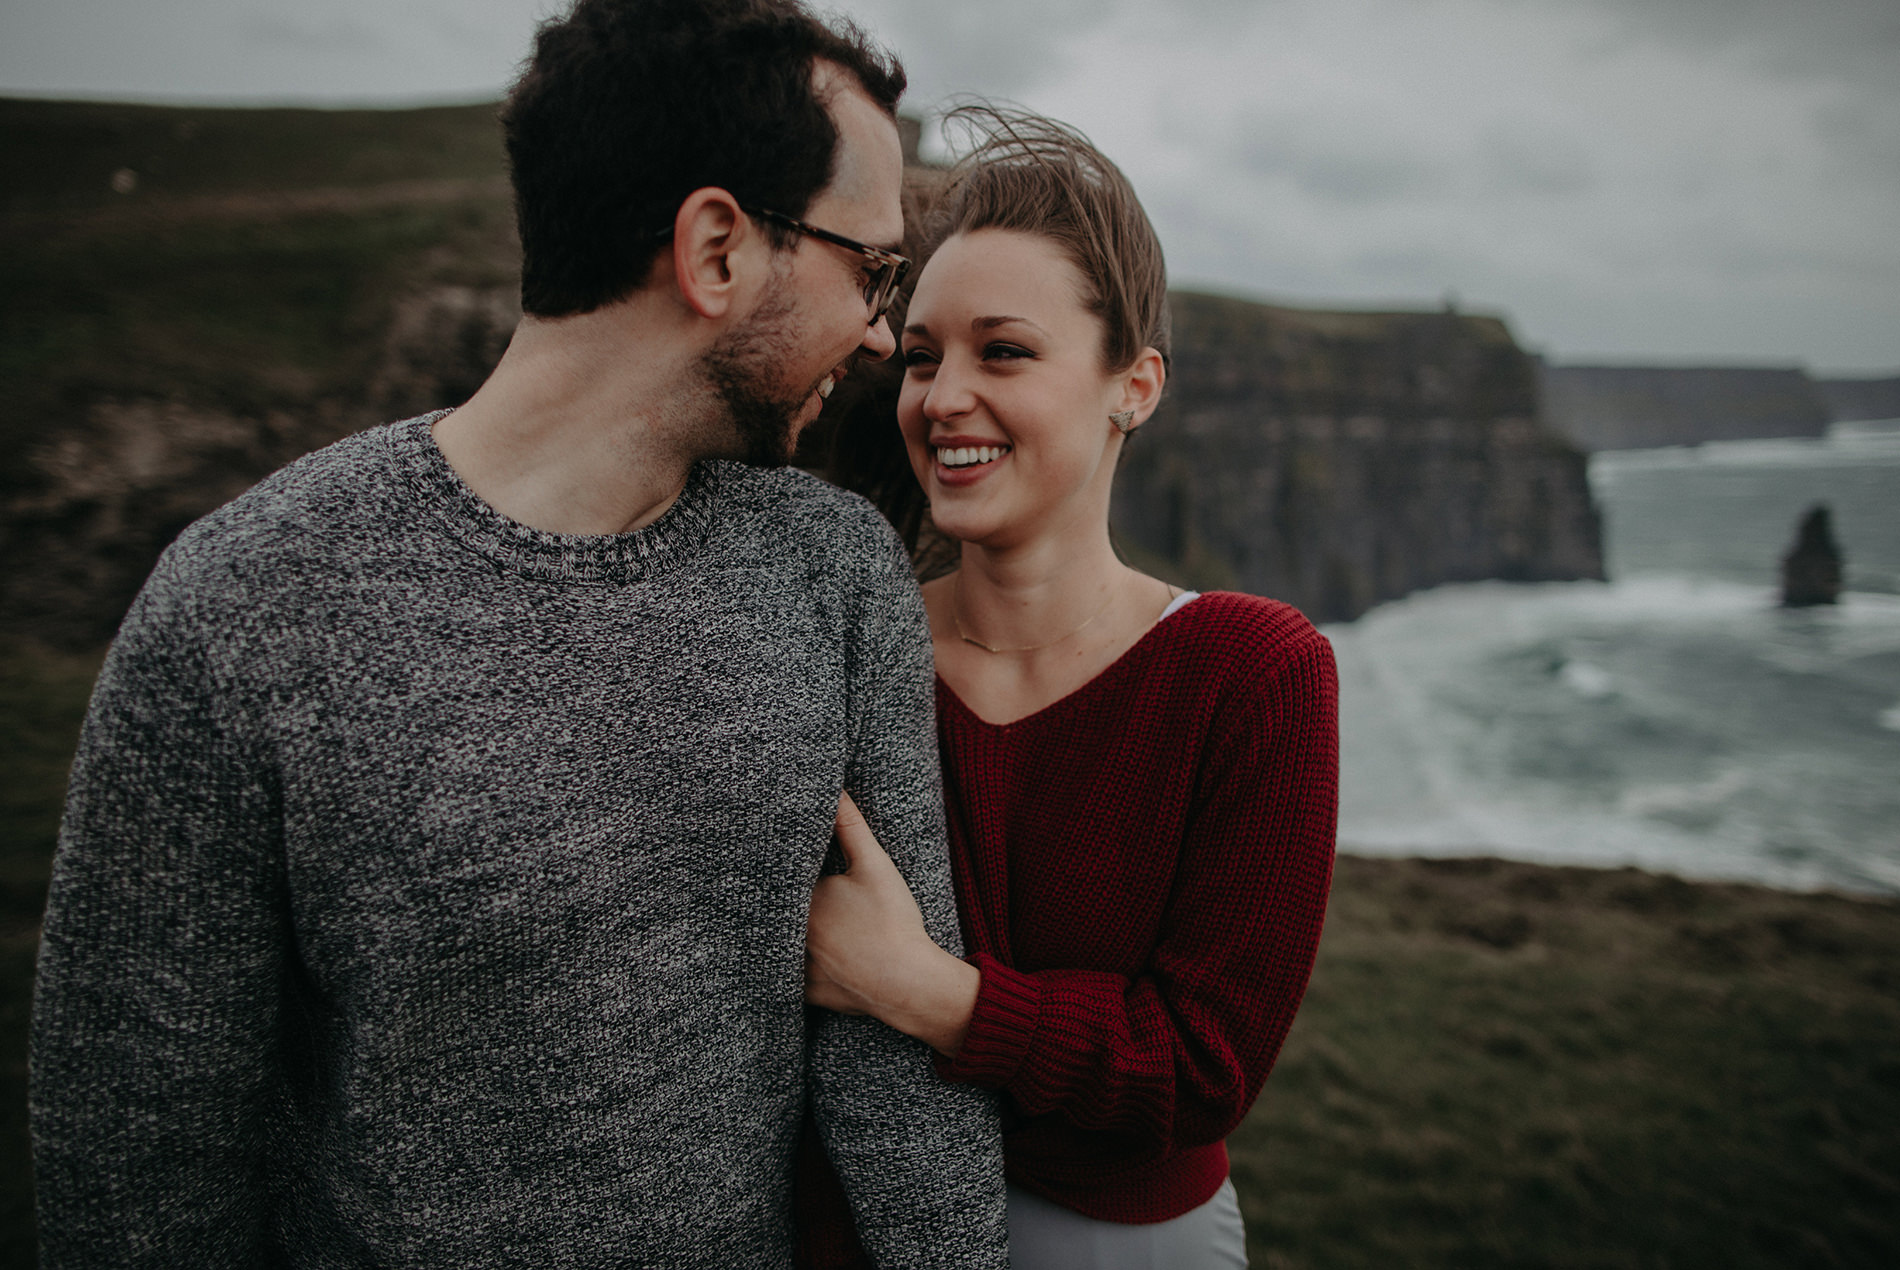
[917, 357]
[1006, 352]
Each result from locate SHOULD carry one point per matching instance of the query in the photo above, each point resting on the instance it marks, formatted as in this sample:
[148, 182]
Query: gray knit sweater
[432, 889]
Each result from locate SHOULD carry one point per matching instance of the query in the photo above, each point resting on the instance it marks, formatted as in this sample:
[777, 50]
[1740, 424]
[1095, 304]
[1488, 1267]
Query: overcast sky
[1625, 180]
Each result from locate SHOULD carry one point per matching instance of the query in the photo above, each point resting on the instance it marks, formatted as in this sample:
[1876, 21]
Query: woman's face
[1005, 404]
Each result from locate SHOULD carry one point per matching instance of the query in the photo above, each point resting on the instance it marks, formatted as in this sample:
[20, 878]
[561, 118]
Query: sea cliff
[197, 297]
[1641, 407]
[1336, 460]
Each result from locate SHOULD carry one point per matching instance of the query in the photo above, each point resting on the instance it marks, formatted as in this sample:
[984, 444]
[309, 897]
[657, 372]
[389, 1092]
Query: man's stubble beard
[744, 369]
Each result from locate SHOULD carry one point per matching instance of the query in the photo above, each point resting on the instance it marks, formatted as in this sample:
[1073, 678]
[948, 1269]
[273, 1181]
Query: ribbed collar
[588, 559]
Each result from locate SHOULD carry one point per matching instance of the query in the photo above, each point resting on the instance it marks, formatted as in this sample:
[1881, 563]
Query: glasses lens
[877, 288]
[889, 277]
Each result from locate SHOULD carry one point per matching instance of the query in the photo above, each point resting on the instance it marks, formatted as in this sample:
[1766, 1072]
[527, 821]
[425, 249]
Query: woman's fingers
[848, 807]
[860, 845]
[867, 950]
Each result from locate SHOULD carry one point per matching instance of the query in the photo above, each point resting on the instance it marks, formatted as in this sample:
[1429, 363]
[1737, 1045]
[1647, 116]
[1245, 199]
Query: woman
[1141, 782]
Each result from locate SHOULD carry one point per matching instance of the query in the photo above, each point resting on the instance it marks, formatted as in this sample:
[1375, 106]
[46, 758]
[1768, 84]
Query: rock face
[1336, 460]
[1811, 571]
[1333, 460]
[260, 283]
[278, 279]
[1637, 407]
[91, 506]
[1851, 399]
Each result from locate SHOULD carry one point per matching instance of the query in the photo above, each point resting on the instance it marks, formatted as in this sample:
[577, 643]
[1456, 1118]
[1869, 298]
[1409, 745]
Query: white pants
[1045, 1236]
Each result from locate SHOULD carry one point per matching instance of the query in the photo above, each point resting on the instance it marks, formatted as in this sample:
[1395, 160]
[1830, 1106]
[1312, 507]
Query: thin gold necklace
[956, 604]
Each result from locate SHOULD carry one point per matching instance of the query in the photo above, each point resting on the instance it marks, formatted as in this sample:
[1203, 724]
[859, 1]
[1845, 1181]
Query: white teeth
[970, 455]
[825, 386]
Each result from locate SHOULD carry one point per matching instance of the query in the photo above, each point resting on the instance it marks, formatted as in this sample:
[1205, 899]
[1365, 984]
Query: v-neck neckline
[1113, 670]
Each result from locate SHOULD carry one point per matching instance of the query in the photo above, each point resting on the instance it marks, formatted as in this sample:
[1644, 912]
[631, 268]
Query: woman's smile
[1005, 402]
[970, 455]
[963, 461]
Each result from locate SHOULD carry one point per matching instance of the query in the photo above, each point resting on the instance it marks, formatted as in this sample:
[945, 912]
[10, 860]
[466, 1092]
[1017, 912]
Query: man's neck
[585, 427]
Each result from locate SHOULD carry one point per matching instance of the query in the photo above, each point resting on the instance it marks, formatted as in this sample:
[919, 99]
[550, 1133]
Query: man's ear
[714, 243]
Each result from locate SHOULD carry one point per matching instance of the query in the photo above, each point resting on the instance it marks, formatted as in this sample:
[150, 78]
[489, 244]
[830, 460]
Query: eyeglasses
[887, 267]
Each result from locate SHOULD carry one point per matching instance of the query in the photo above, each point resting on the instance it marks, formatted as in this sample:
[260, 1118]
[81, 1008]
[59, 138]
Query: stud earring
[1123, 420]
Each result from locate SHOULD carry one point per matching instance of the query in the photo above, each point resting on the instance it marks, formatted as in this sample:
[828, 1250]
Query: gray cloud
[326, 36]
[1826, 39]
[995, 47]
[1628, 178]
[1518, 159]
[476, 31]
[1331, 168]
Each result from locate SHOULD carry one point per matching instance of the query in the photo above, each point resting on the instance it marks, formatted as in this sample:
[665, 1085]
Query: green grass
[60, 156]
[243, 316]
[42, 699]
[1497, 1064]
[1506, 1065]
[173, 294]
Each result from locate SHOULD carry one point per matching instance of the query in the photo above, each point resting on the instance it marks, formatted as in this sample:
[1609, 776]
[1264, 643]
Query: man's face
[745, 370]
[773, 369]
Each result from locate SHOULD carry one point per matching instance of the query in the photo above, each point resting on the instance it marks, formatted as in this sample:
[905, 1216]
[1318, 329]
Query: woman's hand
[867, 952]
[863, 924]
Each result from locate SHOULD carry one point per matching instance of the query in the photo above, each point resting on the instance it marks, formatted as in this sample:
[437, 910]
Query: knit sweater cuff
[1007, 1004]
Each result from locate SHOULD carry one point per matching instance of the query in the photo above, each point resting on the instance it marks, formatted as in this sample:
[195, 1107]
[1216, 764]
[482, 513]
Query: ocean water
[1674, 717]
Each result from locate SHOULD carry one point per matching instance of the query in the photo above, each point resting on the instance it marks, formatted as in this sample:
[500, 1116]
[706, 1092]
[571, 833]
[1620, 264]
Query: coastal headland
[1337, 460]
[200, 296]
[1498, 1064]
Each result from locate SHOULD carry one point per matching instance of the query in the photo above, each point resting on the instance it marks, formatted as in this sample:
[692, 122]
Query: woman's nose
[949, 393]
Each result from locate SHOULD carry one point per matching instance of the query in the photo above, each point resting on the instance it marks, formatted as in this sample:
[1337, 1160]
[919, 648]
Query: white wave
[1587, 681]
[1650, 800]
[1484, 613]
[1540, 834]
[1849, 428]
[1441, 690]
[1878, 448]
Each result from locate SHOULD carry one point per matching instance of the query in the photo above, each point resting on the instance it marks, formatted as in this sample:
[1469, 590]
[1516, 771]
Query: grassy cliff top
[251, 264]
[1497, 1065]
[62, 156]
[1214, 312]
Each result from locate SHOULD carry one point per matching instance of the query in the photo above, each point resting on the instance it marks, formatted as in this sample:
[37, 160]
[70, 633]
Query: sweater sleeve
[920, 1159]
[1174, 1057]
[155, 1010]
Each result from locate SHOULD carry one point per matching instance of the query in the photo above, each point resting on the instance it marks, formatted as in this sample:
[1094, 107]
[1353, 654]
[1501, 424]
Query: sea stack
[1811, 571]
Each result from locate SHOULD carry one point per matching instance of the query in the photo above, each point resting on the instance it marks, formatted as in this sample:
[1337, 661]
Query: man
[433, 882]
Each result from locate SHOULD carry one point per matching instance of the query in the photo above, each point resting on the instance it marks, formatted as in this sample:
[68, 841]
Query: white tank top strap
[1180, 602]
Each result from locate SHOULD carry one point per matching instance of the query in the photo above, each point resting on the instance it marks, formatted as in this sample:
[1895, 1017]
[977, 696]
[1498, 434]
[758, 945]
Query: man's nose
[879, 343]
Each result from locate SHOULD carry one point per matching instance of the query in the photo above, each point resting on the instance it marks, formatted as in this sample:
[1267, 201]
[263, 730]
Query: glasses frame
[888, 269]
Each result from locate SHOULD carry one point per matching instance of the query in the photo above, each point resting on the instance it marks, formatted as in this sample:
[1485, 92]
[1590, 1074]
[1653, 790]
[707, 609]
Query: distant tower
[1811, 571]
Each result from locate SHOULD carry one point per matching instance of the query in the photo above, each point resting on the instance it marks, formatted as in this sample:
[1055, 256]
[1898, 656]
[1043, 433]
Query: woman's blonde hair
[1035, 175]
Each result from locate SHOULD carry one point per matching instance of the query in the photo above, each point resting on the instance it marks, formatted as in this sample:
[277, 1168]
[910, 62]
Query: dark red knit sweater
[1142, 871]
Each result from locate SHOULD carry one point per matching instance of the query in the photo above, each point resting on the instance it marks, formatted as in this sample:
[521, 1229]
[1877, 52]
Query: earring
[1123, 420]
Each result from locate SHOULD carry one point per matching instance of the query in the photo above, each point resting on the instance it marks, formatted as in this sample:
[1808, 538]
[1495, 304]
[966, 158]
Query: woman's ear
[1141, 386]
[713, 242]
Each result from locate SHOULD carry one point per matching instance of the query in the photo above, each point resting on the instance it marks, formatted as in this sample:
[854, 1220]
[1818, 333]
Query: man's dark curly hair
[628, 106]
